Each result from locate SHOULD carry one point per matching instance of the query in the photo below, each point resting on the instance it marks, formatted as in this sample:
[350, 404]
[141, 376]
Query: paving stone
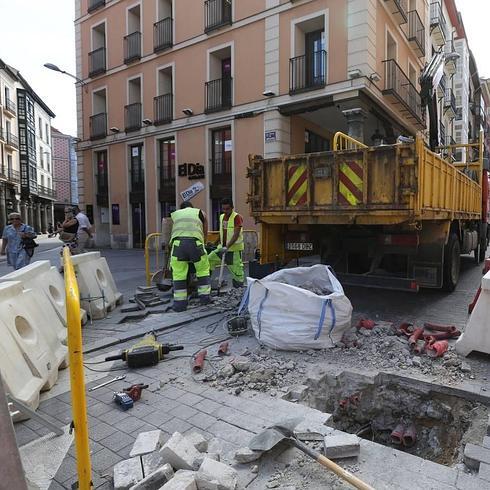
[176, 425]
[469, 482]
[246, 455]
[474, 455]
[117, 441]
[104, 460]
[208, 406]
[180, 453]
[129, 424]
[230, 433]
[242, 420]
[53, 406]
[151, 462]
[184, 412]
[484, 472]
[213, 475]
[158, 417]
[24, 435]
[127, 473]
[144, 428]
[56, 486]
[100, 408]
[141, 410]
[67, 469]
[190, 399]
[101, 431]
[341, 446]
[172, 392]
[113, 416]
[147, 442]
[439, 473]
[197, 440]
[183, 480]
[156, 479]
[202, 420]
[486, 442]
[488, 426]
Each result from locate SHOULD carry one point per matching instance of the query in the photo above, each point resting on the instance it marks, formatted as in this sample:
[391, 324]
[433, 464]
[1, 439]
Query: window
[314, 142]
[412, 74]
[42, 180]
[97, 57]
[9, 163]
[40, 126]
[163, 29]
[7, 94]
[391, 47]
[47, 133]
[102, 176]
[41, 157]
[137, 171]
[167, 161]
[219, 88]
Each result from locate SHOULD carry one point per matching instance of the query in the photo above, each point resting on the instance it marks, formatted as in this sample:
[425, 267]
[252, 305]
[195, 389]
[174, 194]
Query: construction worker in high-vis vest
[231, 243]
[189, 229]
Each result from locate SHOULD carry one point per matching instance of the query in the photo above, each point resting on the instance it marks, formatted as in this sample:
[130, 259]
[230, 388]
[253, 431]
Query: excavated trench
[372, 407]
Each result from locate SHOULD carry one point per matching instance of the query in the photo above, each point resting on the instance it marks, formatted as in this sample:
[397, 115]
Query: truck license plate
[299, 246]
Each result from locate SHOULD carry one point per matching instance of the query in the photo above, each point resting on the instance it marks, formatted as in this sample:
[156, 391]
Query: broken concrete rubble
[247, 455]
[213, 475]
[127, 473]
[182, 480]
[156, 479]
[180, 453]
[198, 441]
[341, 446]
[147, 442]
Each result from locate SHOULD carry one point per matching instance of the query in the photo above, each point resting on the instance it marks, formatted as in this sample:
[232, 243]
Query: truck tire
[482, 247]
[452, 262]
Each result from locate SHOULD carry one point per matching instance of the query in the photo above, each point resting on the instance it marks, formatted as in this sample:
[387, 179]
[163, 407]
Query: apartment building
[26, 182]
[64, 172]
[177, 94]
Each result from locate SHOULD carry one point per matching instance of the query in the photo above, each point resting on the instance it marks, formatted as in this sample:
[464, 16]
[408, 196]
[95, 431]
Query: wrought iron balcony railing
[132, 116]
[307, 72]
[416, 33]
[163, 34]
[98, 126]
[97, 62]
[219, 94]
[217, 13]
[163, 109]
[132, 47]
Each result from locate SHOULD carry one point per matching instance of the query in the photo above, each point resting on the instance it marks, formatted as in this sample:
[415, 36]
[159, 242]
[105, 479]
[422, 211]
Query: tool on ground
[199, 361]
[134, 391]
[163, 277]
[123, 400]
[284, 431]
[221, 271]
[117, 378]
[147, 352]
[237, 326]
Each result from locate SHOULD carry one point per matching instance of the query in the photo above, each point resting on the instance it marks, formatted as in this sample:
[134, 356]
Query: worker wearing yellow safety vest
[189, 228]
[231, 243]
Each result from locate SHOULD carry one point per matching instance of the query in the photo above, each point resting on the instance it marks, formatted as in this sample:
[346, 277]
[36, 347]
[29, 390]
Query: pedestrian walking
[68, 231]
[189, 229]
[84, 234]
[18, 242]
[231, 243]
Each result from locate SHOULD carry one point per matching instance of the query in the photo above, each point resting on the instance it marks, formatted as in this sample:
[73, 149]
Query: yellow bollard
[77, 379]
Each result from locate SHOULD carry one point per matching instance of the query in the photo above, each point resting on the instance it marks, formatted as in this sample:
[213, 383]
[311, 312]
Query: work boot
[179, 308]
[237, 284]
[206, 300]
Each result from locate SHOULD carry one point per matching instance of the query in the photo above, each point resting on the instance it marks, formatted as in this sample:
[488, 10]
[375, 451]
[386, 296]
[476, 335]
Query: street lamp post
[51, 66]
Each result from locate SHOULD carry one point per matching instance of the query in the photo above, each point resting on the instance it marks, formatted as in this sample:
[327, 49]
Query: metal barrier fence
[77, 379]
[155, 255]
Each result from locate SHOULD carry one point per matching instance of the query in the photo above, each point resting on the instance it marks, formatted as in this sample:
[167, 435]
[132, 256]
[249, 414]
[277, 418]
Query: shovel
[272, 436]
[221, 271]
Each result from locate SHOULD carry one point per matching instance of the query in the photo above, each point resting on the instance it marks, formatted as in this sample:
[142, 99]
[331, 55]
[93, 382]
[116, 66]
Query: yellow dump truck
[392, 216]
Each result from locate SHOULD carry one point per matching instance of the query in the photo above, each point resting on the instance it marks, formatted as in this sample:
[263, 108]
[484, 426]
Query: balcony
[451, 57]
[45, 191]
[163, 109]
[416, 33]
[10, 106]
[307, 72]
[94, 5]
[98, 126]
[479, 117]
[11, 140]
[132, 120]
[398, 9]
[97, 64]
[442, 134]
[450, 103]
[217, 13]
[14, 176]
[441, 88]
[132, 47]
[3, 136]
[400, 91]
[438, 27]
[163, 34]
[219, 94]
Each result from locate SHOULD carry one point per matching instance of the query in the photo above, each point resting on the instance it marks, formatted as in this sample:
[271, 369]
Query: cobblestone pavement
[176, 401]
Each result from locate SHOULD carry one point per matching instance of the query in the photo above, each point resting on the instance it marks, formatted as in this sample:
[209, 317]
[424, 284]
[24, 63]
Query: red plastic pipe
[224, 349]
[397, 434]
[417, 334]
[440, 328]
[405, 329]
[199, 361]
[442, 336]
[409, 436]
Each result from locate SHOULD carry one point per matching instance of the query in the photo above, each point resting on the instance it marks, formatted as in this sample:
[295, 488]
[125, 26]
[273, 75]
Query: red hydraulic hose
[437, 349]
[417, 334]
[440, 328]
[409, 436]
[397, 434]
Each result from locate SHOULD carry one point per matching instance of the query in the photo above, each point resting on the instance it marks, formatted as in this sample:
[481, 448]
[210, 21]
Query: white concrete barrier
[29, 327]
[476, 335]
[98, 291]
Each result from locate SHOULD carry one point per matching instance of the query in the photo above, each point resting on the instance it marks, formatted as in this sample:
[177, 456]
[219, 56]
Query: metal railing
[11, 140]
[132, 47]
[438, 21]
[163, 34]
[219, 94]
[401, 88]
[94, 5]
[132, 119]
[14, 175]
[443, 84]
[45, 191]
[10, 105]
[399, 9]
[342, 141]
[98, 126]
[307, 72]
[77, 373]
[97, 62]
[163, 109]
[221, 166]
[416, 31]
[450, 100]
[442, 133]
[217, 13]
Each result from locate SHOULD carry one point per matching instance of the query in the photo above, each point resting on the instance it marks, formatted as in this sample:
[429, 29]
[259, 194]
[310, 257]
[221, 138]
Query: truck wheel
[482, 247]
[452, 261]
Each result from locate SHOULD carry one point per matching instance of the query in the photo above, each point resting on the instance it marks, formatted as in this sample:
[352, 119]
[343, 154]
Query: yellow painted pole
[148, 240]
[77, 378]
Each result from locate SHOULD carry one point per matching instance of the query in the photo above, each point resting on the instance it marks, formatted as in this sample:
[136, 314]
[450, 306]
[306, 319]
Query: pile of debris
[183, 462]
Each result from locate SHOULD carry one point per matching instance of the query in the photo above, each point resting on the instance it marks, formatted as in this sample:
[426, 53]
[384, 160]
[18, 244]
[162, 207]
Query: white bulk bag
[286, 316]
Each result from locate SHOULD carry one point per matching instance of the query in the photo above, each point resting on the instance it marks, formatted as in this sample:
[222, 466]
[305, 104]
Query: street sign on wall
[192, 191]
